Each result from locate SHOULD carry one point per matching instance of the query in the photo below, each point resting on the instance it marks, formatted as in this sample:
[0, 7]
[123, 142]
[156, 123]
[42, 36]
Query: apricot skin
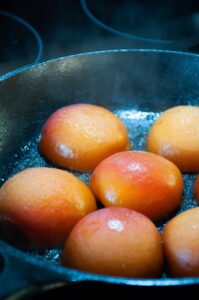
[138, 180]
[181, 244]
[115, 241]
[45, 204]
[79, 136]
[175, 135]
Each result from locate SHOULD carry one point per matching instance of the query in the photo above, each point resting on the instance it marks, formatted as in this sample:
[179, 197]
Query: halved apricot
[142, 181]
[45, 204]
[115, 241]
[80, 136]
[181, 244]
[175, 135]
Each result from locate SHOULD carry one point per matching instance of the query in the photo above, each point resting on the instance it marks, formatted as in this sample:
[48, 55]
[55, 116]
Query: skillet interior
[137, 85]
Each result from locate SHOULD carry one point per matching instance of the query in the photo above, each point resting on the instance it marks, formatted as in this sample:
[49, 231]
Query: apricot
[175, 135]
[181, 244]
[196, 188]
[80, 136]
[45, 204]
[138, 180]
[115, 241]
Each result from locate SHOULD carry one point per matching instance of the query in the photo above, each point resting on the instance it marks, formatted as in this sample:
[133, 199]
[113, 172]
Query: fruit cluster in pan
[52, 207]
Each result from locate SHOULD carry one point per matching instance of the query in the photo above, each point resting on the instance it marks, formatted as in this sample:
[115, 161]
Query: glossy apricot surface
[45, 203]
[115, 241]
[80, 136]
[142, 181]
[175, 135]
[181, 244]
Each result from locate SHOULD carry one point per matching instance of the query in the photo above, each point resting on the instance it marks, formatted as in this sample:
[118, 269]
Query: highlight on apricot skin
[138, 180]
[181, 244]
[196, 188]
[175, 135]
[45, 204]
[115, 241]
[80, 136]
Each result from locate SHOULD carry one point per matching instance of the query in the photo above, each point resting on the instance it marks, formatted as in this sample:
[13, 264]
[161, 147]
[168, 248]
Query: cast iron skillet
[135, 84]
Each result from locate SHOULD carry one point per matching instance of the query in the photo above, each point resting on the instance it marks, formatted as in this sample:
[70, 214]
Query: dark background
[65, 28]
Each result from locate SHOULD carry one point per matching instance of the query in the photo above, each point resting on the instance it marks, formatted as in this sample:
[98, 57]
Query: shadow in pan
[90, 290]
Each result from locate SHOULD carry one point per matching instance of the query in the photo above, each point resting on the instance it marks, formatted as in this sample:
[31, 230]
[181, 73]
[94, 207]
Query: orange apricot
[196, 188]
[115, 241]
[138, 180]
[175, 135]
[45, 204]
[181, 244]
[80, 136]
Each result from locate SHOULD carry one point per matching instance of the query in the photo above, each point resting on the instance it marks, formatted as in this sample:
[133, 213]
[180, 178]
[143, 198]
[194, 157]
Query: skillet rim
[32, 66]
[73, 275]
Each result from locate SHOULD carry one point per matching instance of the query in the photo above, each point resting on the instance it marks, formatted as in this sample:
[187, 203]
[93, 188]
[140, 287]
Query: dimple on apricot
[142, 181]
[181, 244]
[175, 135]
[115, 241]
[45, 204]
[80, 136]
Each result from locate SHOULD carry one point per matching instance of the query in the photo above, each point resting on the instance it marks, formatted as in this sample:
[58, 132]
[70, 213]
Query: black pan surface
[137, 85]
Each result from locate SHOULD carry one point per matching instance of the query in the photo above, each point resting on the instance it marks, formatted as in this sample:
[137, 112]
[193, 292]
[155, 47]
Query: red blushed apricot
[196, 188]
[175, 135]
[45, 204]
[181, 244]
[115, 241]
[142, 181]
[80, 136]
